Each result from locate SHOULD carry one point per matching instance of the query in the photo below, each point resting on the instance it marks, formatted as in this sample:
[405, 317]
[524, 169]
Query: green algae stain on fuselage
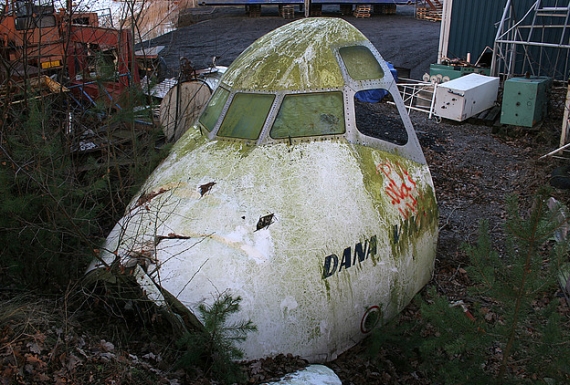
[291, 65]
[402, 195]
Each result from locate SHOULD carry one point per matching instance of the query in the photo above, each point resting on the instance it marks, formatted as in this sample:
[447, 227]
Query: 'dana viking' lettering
[406, 228]
[361, 253]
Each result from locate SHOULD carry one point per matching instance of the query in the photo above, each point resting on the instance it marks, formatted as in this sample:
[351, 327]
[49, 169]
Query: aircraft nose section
[278, 196]
[274, 292]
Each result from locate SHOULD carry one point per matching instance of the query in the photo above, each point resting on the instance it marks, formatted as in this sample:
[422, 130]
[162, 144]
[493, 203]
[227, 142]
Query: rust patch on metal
[147, 197]
[171, 236]
[205, 188]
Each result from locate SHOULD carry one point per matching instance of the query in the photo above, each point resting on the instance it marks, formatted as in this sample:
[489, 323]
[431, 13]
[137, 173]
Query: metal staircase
[538, 43]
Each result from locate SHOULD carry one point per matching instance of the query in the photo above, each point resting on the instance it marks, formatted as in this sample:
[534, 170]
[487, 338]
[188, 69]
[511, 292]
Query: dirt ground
[474, 167]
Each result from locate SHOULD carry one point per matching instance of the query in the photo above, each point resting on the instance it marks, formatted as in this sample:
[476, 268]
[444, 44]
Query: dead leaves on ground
[36, 346]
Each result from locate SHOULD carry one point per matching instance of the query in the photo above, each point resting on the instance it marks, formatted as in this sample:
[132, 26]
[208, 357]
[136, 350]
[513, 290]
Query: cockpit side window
[246, 116]
[374, 116]
[377, 118]
[210, 116]
[312, 114]
[361, 63]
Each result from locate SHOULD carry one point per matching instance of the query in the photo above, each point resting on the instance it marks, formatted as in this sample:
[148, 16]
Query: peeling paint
[206, 188]
[278, 62]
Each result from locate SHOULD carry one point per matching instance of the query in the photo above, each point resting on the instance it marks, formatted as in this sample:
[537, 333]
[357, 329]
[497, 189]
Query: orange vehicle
[35, 39]
[99, 62]
[30, 39]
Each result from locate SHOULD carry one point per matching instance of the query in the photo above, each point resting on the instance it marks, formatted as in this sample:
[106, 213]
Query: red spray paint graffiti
[401, 188]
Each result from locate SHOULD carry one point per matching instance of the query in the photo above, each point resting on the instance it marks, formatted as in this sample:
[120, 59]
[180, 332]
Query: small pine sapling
[214, 348]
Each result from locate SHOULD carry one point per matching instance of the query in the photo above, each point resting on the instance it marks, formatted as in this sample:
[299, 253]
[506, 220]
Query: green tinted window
[309, 115]
[360, 63]
[246, 116]
[212, 112]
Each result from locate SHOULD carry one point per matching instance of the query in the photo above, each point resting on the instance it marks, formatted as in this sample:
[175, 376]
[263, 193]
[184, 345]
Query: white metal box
[464, 97]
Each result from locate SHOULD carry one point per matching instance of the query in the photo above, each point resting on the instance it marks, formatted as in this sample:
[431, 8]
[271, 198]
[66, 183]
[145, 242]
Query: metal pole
[494, 70]
[444, 31]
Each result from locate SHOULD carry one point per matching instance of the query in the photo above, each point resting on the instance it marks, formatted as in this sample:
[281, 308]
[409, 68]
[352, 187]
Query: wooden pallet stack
[253, 10]
[429, 10]
[362, 11]
[385, 9]
[316, 10]
[287, 11]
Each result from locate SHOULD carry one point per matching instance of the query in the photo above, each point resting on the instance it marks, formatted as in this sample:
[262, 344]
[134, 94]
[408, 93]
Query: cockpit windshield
[312, 114]
[363, 104]
[246, 116]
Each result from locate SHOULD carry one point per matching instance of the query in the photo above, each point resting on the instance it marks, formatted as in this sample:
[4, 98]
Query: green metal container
[454, 72]
[525, 100]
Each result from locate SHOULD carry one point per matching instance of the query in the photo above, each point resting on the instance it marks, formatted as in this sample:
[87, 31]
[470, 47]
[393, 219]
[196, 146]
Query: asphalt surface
[224, 32]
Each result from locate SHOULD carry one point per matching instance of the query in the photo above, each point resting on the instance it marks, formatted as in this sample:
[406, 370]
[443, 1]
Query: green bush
[508, 328]
[58, 203]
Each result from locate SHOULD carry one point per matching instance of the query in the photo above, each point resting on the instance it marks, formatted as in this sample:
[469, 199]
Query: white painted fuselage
[323, 234]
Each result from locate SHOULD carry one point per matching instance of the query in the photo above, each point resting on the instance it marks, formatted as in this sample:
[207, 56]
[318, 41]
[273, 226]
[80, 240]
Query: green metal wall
[474, 26]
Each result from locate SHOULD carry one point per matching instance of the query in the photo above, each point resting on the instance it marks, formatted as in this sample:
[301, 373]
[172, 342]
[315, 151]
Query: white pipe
[494, 69]
[444, 30]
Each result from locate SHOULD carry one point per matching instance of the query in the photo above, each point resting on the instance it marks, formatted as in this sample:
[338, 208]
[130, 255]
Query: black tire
[560, 177]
